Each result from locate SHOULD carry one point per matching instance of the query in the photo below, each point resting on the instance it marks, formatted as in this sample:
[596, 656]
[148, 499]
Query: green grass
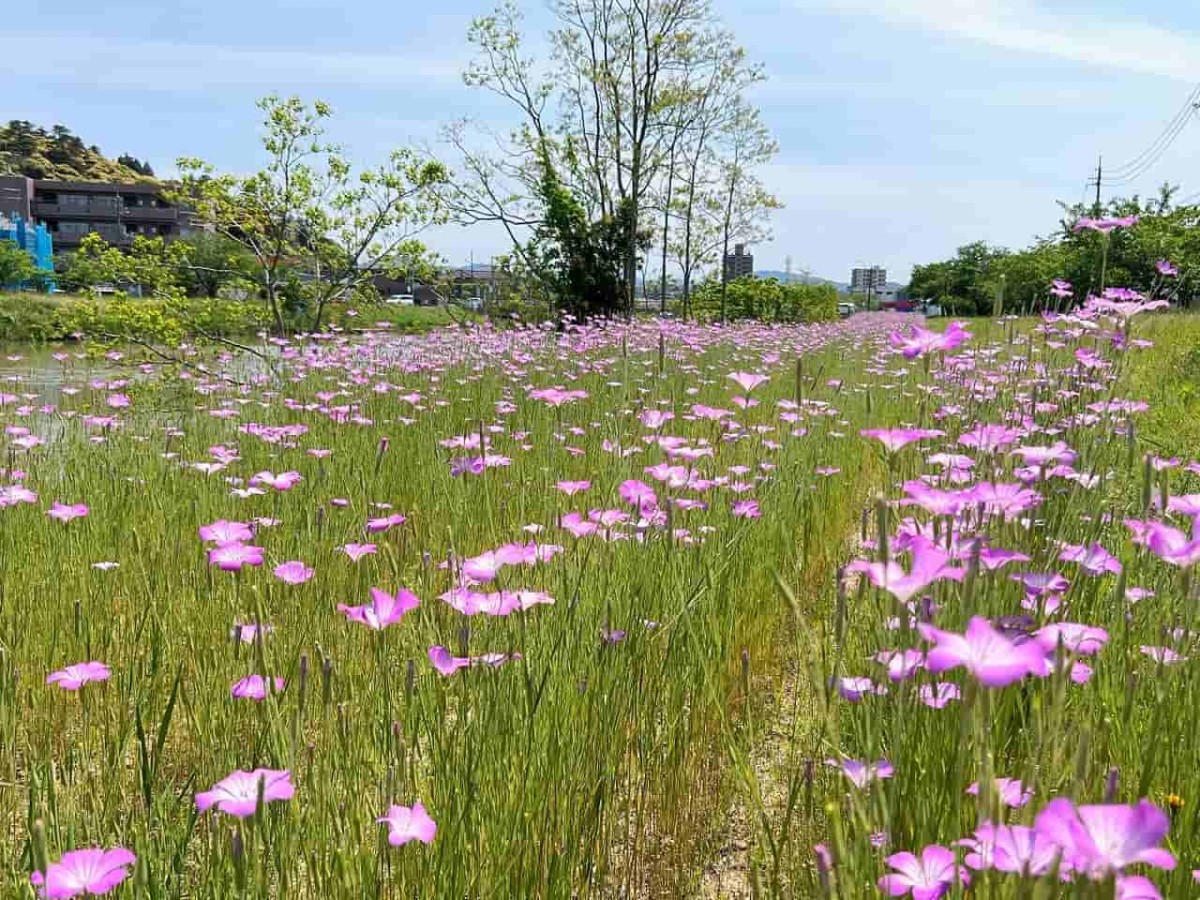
[584, 769]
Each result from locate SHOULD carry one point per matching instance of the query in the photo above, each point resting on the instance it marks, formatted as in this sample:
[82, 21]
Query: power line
[1131, 175]
[1140, 164]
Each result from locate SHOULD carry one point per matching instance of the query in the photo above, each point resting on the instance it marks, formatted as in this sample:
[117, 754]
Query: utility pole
[1099, 181]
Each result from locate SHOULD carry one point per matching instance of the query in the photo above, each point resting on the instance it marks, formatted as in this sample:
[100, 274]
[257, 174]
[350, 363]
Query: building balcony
[105, 208]
[150, 214]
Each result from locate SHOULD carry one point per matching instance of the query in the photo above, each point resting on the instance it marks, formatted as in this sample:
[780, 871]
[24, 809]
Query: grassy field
[634, 595]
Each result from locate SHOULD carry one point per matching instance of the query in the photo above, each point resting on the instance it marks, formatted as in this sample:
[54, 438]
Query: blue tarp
[34, 240]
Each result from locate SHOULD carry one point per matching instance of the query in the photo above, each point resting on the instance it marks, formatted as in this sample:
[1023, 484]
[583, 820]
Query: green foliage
[970, 282]
[316, 231]
[213, 263]
[16, 266]
[584, 260]
[766, 299]
[151, 265]
[27, 149]
[31, 318]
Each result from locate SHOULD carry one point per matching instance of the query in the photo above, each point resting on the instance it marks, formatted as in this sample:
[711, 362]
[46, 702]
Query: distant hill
[800, 278]
[57, 154]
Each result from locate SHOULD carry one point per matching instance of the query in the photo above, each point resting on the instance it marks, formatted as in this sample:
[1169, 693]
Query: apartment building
[868, 280]
[72, 209]
[739, 263]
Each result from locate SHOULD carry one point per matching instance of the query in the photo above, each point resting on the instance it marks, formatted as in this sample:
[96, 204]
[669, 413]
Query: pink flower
[284, 481]
[1081, 639]
[639, 494]
[655, 419]
[117, 401]
[1165, 268]
[1058, 454]
[929, 565]
[357, 551]
[375, 526]
[862, 774]
[987, 654]
[232, 557]
[447, 664]
[293, 572]
[237, 793]
[748, 381]
[14, 494]
[940, 695]
[1172, 546]
[1163, 655]
[746, 509]
[1010, 791]
[384, 609]
[255, 687]
[921, 341]
[408, 824]
[247, 633]
[557, 396]
[84, 872]
[1104, 225]
[65, 513]
[72, 678]
[927, 878]
[1094, 560]
[1102, 840]
[894, 439]
[222, 532]
[573, 487]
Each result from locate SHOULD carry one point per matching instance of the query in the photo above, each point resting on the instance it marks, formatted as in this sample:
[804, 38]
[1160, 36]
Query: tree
[1087, 259]
[317, 232]
[745, 144]
[151, 266]
[585, 258]
[613, 111]
[212, 262]
[16, 266]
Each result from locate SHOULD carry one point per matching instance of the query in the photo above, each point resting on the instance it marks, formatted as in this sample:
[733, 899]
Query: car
[474, 304]
[401, 300]
[846, 310]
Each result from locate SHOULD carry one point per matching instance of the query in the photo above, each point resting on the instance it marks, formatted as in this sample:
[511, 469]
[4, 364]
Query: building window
[73, 201]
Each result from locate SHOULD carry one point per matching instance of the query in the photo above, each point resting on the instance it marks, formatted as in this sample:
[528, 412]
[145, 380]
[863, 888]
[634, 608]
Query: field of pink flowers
[492, 613]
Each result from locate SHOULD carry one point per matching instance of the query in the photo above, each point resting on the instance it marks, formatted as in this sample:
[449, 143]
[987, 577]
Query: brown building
[71, 209]
[739, 263]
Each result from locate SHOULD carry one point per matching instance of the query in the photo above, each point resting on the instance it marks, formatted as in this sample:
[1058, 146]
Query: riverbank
[31, 318]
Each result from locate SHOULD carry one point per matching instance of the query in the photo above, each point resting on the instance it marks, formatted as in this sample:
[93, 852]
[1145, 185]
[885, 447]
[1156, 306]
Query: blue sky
[907, 127]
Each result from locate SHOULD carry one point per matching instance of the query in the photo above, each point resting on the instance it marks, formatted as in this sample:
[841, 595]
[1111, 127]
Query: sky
[906, 127]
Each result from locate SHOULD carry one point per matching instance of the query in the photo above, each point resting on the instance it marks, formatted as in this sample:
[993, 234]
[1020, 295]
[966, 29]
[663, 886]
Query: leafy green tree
[626, 106]
[212, 262]
[317, 232]
[1089, 260]
[16, 266]
[583, 259]
[152, 266]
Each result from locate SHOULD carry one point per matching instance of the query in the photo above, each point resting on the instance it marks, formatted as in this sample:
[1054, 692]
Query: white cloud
[114, 64]
[1023, 26]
